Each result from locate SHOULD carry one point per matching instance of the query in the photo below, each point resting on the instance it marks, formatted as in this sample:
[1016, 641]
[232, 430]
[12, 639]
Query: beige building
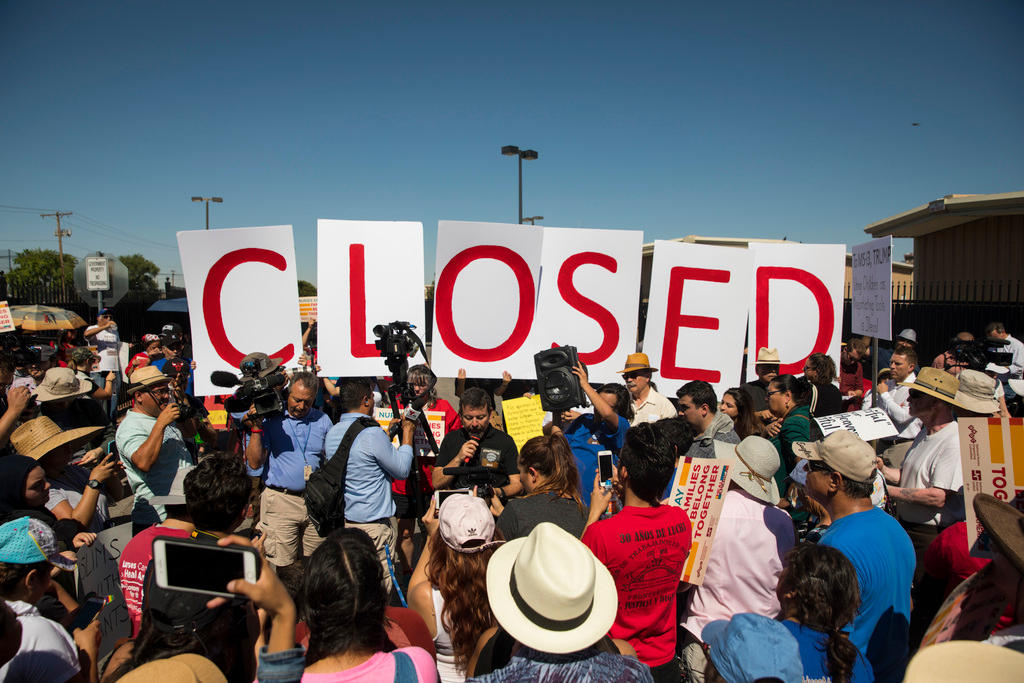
[966, 247]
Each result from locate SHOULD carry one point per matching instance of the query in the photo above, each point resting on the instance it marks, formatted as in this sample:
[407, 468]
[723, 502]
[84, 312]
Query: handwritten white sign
[97, 574]
[868, 424]
[872, 288]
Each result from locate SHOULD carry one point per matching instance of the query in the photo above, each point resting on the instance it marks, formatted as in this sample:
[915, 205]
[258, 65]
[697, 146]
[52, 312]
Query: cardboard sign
[797, 303]
[524, 419]
[868, 424]
[435, 418]
[992, 456]
[697, 313]
[6, 321]
[96, 573]
[699, 487]
[242, 297]
[589, 293]
[369, 273]
[871, 280]
[970, 612]
[484, 299]
[307, 308]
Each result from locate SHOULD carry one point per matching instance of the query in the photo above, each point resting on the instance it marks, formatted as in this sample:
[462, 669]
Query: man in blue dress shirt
[373, 463]
[291, 445]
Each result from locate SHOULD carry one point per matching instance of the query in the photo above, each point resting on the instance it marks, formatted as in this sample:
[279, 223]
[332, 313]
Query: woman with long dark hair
[820, 371]
[345, 605]
[787, 402]
[449, 587]
[737, 404]
[819, 596]
[550, 480]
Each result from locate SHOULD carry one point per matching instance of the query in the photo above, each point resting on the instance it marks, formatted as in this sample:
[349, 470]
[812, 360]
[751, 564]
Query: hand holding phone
[88, 611]
[605, 467]
[198, 567]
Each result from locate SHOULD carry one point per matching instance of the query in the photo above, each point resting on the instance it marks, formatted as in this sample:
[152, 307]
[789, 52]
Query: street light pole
[207, 201]
[529, 155]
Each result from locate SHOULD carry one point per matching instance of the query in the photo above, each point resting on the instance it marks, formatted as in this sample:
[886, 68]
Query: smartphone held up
[198, 567]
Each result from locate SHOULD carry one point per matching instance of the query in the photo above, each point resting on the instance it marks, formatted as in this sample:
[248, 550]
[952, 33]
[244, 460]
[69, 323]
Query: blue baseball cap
[27, 541]
[749, 646]
[106, 311]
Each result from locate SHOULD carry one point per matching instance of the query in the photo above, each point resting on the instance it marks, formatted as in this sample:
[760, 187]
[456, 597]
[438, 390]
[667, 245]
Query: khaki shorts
[284, 522]
[384, 535]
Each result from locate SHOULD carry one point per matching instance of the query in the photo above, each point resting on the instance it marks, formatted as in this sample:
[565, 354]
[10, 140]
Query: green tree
[35, 267]
[306, 288]
[141, 274]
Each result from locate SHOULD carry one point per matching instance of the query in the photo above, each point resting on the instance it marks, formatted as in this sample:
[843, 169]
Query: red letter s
[588, 307]
[211, 300]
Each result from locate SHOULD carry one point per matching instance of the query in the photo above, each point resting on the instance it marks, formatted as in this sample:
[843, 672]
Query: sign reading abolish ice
[243, 297]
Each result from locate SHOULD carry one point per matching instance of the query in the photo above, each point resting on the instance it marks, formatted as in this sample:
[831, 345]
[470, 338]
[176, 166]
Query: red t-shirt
[452, 422]
[645, 550]
[135, 557]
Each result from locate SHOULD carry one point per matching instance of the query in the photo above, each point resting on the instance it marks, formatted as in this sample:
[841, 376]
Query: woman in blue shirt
[603, 430]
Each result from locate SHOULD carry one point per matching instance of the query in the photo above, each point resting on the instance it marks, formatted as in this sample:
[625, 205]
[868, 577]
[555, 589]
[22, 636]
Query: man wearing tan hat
[151, 444]
[767, 368]
[928, 489]
[65, 399]
[840, 476]
[648, 404]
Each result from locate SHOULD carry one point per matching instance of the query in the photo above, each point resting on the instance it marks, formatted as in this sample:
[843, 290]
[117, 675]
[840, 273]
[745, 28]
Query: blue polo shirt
[292, 444]
[588, 435]
[373, 463]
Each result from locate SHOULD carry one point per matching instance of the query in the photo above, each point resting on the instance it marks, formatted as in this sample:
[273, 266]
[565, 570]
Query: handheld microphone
[469, 458]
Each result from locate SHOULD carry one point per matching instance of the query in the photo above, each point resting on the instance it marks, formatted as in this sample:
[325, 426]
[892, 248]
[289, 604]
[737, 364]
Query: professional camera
[976, 354]
[397, 343]
[178, 369]
[483, 478]
[260, 387]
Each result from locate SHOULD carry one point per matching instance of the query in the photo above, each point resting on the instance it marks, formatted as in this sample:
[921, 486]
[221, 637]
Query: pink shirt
[745, 563]
[381, 667]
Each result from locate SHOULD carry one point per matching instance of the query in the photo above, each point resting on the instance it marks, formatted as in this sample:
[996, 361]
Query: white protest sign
[871, 278]
[797, 303]
[368, 273]
[992, 458]
[698, 487]
[96, 573]
[697, 314]
[307, 308]
[868, 424]
[6, 321]
[589, 293]
[435, 418]
[485, 298]
[242, 297]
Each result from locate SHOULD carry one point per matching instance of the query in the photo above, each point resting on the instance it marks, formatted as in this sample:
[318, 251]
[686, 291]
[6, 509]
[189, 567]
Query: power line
[121, 231]
[144, 242]
[28, 209]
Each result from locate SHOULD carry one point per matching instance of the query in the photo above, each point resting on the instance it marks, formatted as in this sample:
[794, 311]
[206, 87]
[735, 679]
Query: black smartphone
[604, 464]
[197, 567]
[87, 611]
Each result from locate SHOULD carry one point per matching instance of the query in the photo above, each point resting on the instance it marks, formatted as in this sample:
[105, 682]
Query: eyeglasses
[772, 393]
[818, 466]
[914, 393]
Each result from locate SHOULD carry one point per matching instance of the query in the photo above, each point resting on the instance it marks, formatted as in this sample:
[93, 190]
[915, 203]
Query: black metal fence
[955, 290]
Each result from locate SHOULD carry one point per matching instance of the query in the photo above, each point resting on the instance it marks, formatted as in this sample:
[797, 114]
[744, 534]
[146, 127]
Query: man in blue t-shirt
[841, 471]
[604, 430]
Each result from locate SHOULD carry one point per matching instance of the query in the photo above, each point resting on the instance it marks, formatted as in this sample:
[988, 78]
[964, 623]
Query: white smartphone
[604, 464]
[196, 567]
[439, 496]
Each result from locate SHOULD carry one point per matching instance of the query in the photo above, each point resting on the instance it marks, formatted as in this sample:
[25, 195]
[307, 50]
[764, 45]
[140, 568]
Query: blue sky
[746, 119]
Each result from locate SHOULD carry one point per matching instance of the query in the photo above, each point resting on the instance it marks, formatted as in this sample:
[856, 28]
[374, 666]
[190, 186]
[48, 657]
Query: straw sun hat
[41, 436]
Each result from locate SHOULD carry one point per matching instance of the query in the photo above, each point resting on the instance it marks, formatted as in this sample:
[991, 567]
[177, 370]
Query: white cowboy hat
[550, 593]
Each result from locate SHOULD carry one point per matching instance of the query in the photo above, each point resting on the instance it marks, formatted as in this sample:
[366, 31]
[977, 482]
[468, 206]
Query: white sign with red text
[485, 298]
[589, 294]
[368, 273]
[797, 303]
[696, 314]
[242, 297]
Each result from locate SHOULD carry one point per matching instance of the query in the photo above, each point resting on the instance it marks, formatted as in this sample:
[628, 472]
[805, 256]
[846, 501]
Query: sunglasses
[914, 393]
[818, 466]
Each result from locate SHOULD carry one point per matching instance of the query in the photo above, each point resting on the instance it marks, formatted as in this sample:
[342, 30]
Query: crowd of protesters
[474, 559]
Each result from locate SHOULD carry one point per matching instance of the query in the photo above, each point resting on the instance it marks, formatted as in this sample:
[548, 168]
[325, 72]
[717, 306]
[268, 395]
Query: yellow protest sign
[524, 419]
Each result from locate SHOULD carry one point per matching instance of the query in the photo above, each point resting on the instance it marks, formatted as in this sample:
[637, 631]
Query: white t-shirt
[47, 652]
[107, 343]
[933, 461]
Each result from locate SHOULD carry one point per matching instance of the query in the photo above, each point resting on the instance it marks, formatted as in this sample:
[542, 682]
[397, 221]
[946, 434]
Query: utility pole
[60, 235]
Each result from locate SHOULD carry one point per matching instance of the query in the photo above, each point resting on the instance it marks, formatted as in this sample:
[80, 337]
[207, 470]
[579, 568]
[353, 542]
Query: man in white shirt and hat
[767, 368]
[648, 404]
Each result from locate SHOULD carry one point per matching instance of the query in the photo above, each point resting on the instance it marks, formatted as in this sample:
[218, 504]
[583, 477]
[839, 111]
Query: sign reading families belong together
[504, 292]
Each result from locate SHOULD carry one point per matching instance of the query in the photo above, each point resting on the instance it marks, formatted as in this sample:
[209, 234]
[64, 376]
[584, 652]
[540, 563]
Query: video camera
[262, 392]
[483, 478]
[976, 354]
[397, 343]
[178, 369]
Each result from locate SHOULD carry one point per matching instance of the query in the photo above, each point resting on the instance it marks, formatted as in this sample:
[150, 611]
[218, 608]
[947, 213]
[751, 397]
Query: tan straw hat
[965, 660]
[187, 668]
[60, 384]
[766, 356]
[146, 377]
[843, 451]
[549, 592]
[41, 436]
[977, 392]
[758, 463]
[637, 361]
[937, 383]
